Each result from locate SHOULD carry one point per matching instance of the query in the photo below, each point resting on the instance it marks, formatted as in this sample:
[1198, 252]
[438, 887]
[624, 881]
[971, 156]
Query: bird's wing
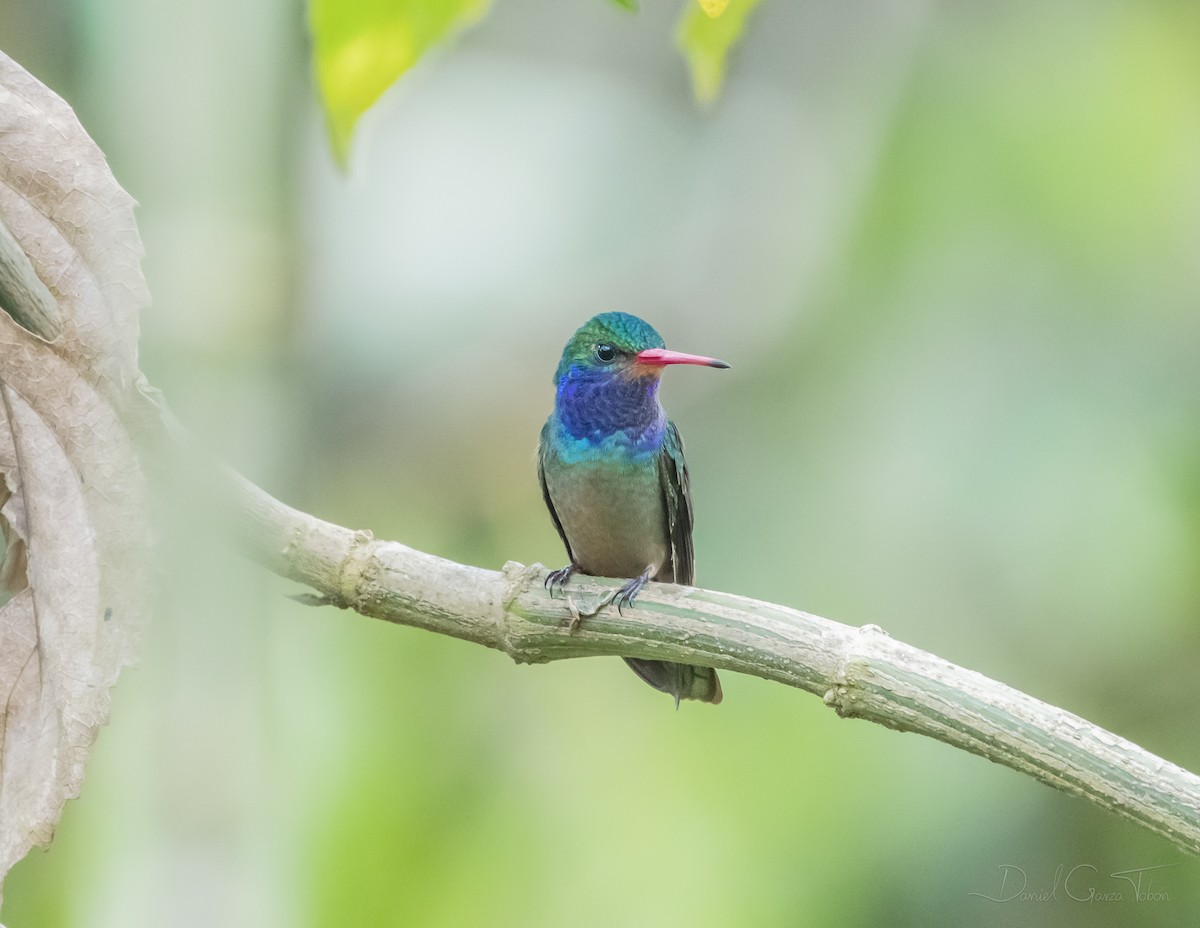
[543, 450]
[677, 496]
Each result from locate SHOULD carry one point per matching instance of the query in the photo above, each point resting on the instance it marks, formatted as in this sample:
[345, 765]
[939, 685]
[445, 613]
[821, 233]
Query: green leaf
[360, 48]
[706, 32]
[627, 4]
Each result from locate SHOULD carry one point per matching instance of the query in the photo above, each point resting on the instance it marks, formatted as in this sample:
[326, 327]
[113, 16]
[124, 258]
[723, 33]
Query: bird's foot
[623, 595]
[557, 579]
[627, 592]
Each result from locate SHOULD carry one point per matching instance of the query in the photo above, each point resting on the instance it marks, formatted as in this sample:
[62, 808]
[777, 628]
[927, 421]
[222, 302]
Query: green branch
[858, 672]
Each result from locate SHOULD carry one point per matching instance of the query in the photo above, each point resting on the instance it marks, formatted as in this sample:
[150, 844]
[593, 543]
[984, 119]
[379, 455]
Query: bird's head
[621, 345]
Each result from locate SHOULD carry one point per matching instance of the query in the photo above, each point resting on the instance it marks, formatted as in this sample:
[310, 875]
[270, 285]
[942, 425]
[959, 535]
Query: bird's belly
[614, 518]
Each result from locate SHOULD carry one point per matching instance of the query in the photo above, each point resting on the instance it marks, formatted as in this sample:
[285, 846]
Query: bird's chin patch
[639, 371]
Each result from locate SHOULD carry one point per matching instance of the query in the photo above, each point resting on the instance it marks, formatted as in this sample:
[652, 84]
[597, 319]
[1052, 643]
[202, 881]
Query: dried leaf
[74, 512]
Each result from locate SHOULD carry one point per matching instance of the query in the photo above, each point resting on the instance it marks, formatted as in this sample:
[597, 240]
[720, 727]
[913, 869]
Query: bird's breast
[612, 512]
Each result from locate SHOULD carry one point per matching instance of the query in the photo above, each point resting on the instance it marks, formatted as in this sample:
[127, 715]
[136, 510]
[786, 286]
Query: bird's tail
[683, 681]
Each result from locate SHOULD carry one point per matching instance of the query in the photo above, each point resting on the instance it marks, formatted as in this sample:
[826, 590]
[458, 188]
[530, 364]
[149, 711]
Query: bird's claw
[623, 596]
[628, 591]
[557, 579]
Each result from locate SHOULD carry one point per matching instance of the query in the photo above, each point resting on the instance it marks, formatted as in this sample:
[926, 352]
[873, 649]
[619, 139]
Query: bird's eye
[605, 353]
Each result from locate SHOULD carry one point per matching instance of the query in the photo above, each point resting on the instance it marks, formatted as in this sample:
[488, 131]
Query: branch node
[518, 577]
[576, 615]
[356, 568]
[842, 695]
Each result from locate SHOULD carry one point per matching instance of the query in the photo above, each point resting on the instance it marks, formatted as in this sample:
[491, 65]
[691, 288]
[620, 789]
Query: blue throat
[599, 414]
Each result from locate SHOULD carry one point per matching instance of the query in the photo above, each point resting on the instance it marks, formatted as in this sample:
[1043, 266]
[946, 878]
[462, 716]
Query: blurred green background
[951, 251]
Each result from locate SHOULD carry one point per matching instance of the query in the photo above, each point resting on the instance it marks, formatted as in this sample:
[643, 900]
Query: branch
[858, 672]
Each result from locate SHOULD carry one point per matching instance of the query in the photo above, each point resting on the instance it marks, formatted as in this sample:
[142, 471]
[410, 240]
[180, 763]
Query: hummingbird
[612, 472]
